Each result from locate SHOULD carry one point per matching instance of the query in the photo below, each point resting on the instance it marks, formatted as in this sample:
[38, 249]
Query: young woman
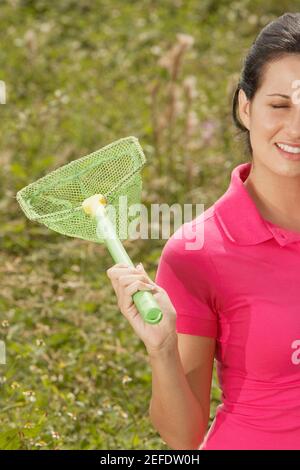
[237, 297]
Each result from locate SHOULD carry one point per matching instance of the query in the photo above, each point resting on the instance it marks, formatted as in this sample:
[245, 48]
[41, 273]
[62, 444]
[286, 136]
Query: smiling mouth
[292, 155]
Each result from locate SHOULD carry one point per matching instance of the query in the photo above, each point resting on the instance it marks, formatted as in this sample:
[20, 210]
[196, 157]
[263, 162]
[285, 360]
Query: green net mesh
[113, 171]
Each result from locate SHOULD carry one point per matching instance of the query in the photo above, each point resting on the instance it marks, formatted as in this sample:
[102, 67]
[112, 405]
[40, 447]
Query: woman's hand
[127, 280]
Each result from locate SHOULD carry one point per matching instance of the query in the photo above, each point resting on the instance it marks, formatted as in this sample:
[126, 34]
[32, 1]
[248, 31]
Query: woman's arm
[181, 364]
[180, 418]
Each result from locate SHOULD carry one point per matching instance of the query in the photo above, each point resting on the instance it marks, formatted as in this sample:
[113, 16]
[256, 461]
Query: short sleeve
[189, 278]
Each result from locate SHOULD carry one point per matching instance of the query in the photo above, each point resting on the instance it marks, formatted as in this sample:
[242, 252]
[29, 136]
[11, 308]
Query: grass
[80, 75]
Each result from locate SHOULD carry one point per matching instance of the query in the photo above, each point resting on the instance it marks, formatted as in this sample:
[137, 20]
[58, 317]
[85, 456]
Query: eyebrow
[279, 94]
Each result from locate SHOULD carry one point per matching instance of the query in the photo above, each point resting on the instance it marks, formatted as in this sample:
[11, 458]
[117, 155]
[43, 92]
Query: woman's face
[269, 124]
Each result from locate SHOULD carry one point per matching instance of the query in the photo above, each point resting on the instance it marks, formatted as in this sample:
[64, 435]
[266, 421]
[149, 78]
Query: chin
[288, 169]
[276, 163]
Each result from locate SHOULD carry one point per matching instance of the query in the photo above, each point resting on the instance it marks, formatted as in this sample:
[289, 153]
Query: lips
[290, 144]
[288, 155]
[287, 147]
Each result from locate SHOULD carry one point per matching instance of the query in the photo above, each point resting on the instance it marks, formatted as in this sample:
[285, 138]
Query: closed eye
[274, 106]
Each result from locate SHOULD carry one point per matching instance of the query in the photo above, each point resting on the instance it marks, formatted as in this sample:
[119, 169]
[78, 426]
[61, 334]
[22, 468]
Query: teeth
[289, 149]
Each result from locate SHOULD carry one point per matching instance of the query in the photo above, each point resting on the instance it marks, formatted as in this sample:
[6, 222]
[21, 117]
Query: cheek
[265, 123]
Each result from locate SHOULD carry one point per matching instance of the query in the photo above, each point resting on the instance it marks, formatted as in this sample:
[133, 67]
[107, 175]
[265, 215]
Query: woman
[237, 298]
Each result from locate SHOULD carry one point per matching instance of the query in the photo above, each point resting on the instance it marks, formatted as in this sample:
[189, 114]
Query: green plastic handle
[143, 300]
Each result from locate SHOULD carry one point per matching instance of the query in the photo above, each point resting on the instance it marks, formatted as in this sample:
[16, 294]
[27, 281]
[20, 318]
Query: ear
[244, 109]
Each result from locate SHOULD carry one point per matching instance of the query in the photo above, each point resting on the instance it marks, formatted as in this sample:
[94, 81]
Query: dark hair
[278, 38]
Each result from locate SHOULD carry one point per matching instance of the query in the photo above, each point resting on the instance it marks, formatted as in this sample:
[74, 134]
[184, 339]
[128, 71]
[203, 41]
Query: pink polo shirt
[242, 287]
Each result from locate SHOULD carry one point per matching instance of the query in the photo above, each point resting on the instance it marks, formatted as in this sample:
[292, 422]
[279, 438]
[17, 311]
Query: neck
[276, 197]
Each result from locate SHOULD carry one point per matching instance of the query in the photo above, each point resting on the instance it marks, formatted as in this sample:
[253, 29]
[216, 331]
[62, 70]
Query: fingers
[126, 280]
[125, 297]
[115, 270]
[120, 272]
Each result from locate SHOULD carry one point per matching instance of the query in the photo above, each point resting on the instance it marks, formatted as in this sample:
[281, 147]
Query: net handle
[143, 300]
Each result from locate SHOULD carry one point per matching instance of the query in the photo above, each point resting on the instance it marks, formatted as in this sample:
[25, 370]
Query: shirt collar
[240, 218]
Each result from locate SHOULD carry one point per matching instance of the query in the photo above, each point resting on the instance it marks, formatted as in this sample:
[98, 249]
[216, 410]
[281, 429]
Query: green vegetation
[79, 75]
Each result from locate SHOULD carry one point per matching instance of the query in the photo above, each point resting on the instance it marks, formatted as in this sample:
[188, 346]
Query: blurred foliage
[79, 75]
